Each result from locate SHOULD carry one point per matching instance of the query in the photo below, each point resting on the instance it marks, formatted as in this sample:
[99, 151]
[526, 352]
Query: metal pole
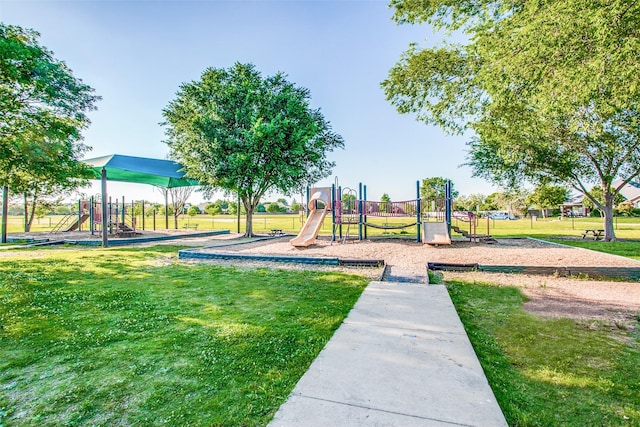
[166, 208]
[142, 214]
[360, 208]
[91, 216]
[110, 215]
[447, 209]
[341, 208]
[5, 212]
[105, 237]
[79, 215]
[124, 208]
[365, 213]
[418, 214]
[333, 212]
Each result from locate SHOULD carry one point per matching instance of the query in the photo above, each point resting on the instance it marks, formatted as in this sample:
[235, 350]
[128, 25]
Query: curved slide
[311, 227]
[435, 233]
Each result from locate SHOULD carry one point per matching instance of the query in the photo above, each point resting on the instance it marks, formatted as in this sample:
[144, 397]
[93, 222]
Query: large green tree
[434, 188]
[248, 134]
[47, 184]
[471, 203]
[547, 196]
[43, 110]
[550, 89]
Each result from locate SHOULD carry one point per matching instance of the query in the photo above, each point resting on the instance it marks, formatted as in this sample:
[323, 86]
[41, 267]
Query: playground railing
[389, 209]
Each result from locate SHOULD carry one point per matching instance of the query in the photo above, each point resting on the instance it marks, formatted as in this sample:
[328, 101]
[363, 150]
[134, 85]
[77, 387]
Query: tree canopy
[434, 188]
[550, 89]
[237, 130]
[547, 196]
[43, 109]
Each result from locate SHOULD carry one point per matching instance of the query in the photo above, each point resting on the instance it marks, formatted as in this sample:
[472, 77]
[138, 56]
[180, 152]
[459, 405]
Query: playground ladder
[64, 222]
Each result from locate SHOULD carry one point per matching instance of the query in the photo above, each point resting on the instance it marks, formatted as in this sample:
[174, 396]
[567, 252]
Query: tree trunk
[28, 219]
[250, 203]
[26, 213]
[607, 211]
[248, 222]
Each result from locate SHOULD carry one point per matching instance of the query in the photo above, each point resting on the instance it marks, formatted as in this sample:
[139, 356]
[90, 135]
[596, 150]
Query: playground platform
[401, 358]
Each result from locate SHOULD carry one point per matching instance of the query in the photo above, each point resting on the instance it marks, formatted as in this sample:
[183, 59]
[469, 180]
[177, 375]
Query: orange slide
[311, 227]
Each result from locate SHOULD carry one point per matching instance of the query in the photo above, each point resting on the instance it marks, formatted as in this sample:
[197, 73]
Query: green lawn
[621, 248]
[550, 372]
[262, 223]
[131, 337]
[625, 228]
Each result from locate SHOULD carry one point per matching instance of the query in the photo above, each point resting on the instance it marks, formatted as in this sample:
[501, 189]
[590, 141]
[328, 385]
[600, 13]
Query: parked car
[501, 215]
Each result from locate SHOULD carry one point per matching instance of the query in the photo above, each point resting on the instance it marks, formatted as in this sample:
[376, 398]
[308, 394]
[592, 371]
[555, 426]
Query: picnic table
[594, 233]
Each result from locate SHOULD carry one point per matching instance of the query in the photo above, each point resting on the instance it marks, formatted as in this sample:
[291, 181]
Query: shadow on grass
[127, 336]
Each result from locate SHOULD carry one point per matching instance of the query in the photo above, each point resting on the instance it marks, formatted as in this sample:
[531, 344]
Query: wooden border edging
[197, 254]
[629, 273]
[448, 266]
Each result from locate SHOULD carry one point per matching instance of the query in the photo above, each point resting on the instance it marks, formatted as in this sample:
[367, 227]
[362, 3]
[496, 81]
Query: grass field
[550, 372]
[625, 228]
[130, 337]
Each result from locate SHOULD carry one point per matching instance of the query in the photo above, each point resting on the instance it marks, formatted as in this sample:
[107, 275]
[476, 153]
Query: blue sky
[136, 53]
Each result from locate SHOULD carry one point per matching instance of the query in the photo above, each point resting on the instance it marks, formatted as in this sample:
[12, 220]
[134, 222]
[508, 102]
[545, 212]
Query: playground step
[486, 238]
[396, 273]
[459, 231]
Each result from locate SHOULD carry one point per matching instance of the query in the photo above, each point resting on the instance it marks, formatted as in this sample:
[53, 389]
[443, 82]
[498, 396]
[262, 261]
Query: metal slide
[311, 227]
[435, 233]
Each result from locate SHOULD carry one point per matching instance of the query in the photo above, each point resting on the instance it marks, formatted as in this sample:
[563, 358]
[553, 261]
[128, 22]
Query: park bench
[593, 233]
[187, 226]
[276, 232]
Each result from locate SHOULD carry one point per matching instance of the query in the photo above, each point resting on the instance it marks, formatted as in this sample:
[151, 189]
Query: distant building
[574, 207]
[630, 192]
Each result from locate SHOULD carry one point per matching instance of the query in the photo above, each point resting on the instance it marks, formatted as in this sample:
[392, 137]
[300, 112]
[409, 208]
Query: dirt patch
[616, 303]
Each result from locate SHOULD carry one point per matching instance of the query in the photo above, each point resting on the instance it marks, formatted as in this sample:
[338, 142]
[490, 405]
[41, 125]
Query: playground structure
[431, 218]
[121, 221]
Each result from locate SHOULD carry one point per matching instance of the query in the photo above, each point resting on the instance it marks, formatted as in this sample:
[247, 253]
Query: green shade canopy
[141, 170]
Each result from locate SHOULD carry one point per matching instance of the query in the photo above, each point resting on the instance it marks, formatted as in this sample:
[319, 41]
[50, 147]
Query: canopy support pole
[105, 236]
[166, 208]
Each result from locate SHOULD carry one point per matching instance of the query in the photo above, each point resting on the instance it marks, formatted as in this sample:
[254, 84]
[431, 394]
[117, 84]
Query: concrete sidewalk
[401, 358]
